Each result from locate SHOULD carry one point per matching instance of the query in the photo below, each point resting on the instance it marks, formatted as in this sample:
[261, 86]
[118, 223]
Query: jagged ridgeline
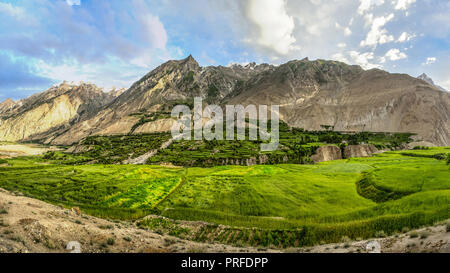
[296, 146]
[310, 94]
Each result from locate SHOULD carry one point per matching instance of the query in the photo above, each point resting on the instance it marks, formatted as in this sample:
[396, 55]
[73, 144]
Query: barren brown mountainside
[43, 115]
[310, 94]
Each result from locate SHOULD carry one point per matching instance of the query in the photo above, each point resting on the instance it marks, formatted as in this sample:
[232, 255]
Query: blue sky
[114, 43]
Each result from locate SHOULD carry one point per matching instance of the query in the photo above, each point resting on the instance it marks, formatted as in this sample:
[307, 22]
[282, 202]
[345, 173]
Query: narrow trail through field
[183, 180]
[143, 158]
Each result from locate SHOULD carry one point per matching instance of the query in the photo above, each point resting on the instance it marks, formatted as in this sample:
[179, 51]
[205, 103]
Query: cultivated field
[262, 205]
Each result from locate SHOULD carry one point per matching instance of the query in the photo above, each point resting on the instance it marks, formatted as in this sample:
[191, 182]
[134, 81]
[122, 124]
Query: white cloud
[403, 4]
[363, 59]
[404, 37]
[395, 54]
[378, 34]
[73, 2]
[430, 60]
[274, 24]
[342, 45]
[366, 5]
[347, 31]
[102, 75]
[340, 57]
[154, 31]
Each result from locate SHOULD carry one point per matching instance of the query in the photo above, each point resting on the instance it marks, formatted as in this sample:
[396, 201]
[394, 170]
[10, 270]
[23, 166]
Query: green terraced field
[296, 147]
[279, 205]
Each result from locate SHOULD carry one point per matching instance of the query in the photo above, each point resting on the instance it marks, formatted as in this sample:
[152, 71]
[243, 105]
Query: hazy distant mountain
[310, 94]
[425, 77]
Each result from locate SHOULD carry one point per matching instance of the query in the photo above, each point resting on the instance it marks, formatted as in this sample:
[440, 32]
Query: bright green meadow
[269, 205]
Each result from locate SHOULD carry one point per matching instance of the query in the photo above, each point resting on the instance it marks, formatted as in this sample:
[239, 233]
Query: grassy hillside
[278, 205]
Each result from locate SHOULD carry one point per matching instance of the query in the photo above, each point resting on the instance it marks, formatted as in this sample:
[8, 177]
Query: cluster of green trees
[296, 146]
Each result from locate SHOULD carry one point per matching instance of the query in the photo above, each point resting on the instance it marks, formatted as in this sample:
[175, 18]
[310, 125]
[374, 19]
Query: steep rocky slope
[310, 94]
[45, 114]
[169, 84]
[6, 105]
[315, 93]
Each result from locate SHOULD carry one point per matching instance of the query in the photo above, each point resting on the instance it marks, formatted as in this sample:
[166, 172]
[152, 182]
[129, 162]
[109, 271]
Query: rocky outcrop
[363, 150]
[6, 105]
[327, 153]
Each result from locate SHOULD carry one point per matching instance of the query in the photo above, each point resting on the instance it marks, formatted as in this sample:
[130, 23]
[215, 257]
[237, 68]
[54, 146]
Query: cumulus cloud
[366, 5]
[378, 34]
[363, 59]
[403, 4]
[395, 54]
[340, 57]
[153, 30]
[273, 23]
[430, 60]
[404, 37]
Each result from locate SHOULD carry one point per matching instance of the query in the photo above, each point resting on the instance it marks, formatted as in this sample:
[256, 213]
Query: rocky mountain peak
[424, 77]
[6, 105]
[189, 63]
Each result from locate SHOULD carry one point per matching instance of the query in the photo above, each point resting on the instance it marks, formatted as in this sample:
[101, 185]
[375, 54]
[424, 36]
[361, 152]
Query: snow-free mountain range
[310, 94]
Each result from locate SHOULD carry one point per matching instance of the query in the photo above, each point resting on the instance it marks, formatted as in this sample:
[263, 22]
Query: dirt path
[30, 225]
[143, 158]
[14, 150]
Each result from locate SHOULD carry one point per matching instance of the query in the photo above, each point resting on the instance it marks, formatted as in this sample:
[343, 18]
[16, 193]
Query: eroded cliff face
[327, 153]
[41, 115]
[363, 150]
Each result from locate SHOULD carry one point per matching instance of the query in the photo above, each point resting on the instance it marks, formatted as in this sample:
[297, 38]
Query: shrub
[380, 234]
[421, 148]
[110, 241]
[107, 227]
[413, 234]
[447, 228]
